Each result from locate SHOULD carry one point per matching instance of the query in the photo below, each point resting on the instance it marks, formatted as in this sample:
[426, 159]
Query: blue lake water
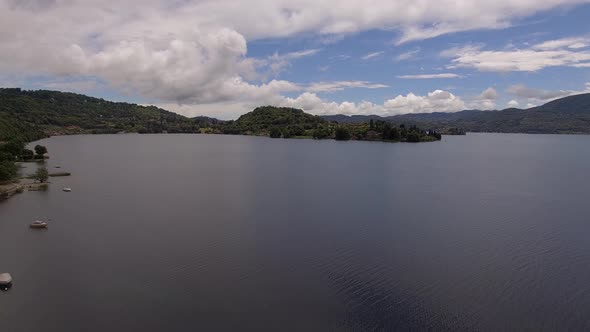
[204, 232]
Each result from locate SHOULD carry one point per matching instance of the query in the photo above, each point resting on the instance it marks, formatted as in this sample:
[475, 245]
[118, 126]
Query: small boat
[38, 224]
[67, 189]
[5, 281]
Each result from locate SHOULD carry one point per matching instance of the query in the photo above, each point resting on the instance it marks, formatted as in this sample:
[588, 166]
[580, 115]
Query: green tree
[28, 154]
[14, 147]
[394, 134]
[5, 156]
[286, 133]
[40, 150]
[413, 137]
[275, 132]
[297, 130]
[41, 174]
[321, 133]
[8, 170]
[385, 130]
[342, 133]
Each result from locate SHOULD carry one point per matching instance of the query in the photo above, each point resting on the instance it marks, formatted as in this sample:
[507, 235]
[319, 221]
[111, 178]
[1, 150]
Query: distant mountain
[569, 115]
[206, 119]
[36, 113]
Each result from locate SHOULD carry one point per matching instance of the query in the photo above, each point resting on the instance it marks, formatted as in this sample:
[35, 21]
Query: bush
[41, 174]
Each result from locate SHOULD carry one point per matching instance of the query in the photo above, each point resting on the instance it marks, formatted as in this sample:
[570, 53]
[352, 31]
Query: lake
[216, 233]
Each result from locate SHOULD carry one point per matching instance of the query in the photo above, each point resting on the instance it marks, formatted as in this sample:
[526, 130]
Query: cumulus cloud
[429, 76]
[513, 103]
[196, 52]
[570, 52]
[435, 101]
[486, 100]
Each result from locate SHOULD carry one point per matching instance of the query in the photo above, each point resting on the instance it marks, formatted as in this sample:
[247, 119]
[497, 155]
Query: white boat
[5, 280]
[38, 224]
[67, 189]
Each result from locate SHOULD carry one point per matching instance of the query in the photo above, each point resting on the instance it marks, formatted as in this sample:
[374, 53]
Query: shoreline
[10, 189]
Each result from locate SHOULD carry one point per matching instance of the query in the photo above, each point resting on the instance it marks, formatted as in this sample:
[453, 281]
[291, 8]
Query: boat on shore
[38, 224]
[5, 281]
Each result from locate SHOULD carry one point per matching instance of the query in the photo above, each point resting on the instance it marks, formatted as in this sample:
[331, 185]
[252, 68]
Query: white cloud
[573, 43]
[513, 103]
[486, 100]
[196, 52]
[488, 94]
[429, 76]
[523, 92]
[436, 101]
[341, 85]
[534, 96]
[553, 53]
[371, 55]
[277, 62]
[407, 55]
[341, 57]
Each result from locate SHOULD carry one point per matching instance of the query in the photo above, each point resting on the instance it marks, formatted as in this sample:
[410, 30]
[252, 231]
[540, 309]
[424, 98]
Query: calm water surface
[202, 232]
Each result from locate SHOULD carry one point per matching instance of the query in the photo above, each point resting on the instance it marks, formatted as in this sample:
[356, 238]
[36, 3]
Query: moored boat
[67, 189]
[5, 280]
[38, 224]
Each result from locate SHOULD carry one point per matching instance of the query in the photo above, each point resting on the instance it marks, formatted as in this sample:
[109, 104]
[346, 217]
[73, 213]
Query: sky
[223, 58]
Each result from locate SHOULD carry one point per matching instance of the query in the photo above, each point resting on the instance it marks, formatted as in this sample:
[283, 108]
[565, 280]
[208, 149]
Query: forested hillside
[54, 112]
[29, 115]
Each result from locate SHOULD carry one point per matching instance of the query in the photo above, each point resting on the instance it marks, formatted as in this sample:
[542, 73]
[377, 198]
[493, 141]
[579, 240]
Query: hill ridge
[567, 115]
